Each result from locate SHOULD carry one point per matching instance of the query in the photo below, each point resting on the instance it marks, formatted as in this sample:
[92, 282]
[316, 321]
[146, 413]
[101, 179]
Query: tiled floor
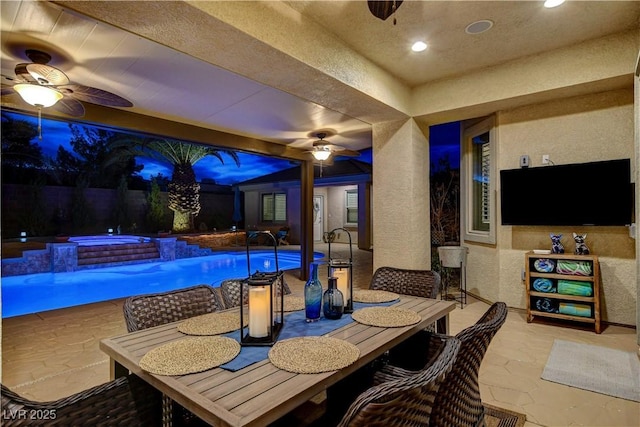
[56, 353]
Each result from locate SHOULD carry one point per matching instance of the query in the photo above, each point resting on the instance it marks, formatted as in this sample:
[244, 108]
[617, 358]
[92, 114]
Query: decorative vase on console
[333, 301]
[313, 295]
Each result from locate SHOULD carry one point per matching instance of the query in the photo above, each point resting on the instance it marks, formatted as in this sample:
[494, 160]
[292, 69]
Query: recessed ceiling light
[479, 26]
[552, 3]
[419, 46]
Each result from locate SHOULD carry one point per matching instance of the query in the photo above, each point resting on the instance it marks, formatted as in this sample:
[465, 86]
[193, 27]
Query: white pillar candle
[259, 300]
[342, 274]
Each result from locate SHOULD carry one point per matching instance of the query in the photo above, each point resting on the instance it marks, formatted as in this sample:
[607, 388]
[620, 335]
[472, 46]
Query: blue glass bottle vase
[313, 295]
[332, 301]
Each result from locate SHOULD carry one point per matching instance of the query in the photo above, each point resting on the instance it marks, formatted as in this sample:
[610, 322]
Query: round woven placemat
[386, 317]
[373, 296]
[212, 323]
[313, 355]
[190, 355]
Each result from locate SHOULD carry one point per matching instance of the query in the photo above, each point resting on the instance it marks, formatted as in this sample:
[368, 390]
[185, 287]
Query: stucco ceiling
[283, 71]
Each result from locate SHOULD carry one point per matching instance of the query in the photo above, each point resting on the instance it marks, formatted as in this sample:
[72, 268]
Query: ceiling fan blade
[69, 106]
[347, 153]
[8, 90]
[95, 96]
[22, 75]
[47, 75]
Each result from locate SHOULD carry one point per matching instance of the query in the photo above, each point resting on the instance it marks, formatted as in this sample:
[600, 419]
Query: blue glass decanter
[313, 295]
[332, 301]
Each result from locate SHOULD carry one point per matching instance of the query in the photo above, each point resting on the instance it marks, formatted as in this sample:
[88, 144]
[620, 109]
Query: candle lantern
[342, 270]
[264, 293]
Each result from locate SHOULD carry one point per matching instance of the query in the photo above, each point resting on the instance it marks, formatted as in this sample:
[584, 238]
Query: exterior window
[351, 207]
[481, 161]
[274, 207]
[479, 182]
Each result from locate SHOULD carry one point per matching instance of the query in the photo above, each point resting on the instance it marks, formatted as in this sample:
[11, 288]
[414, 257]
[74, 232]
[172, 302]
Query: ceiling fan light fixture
[552, 3]
[321, 153]
[36, 95]
[419, 46]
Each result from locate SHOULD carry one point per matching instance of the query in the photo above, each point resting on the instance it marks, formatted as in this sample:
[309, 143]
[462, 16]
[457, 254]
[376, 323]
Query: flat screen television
[596, 193]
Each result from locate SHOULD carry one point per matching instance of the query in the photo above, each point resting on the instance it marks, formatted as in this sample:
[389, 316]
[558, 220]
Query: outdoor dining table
[260, 393]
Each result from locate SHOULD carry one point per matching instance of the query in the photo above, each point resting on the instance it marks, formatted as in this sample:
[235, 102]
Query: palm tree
[184, 190]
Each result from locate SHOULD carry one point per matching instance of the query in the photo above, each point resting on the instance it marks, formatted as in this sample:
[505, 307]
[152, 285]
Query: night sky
[444, 140]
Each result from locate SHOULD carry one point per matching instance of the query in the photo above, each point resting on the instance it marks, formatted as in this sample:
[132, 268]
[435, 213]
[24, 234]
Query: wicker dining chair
[404, 401]
[146, 311]
[126, 401]
[420, 283]
[230, 291]
[458, 401]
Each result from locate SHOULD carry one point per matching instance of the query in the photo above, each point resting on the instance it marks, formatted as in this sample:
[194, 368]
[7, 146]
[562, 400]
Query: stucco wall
[574, 130]
[401, 196]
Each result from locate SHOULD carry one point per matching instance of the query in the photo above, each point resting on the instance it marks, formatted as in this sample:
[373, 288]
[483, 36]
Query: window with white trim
[351, 207]
[479, 182]
[274, 207]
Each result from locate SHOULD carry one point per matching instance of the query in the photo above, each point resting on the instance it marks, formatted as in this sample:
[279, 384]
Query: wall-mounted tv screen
[596, 193]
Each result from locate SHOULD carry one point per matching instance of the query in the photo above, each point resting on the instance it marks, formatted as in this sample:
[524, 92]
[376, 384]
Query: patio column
[401, 208]
[306, 218]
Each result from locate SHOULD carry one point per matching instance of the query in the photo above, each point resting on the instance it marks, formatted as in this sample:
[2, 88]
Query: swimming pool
[34, 293]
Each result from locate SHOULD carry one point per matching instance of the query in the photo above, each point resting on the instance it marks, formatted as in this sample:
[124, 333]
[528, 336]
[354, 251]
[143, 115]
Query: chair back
[146, 311]
[230, 291]
[406, 401]
[421, 283]
[126, 401]
[458, 401]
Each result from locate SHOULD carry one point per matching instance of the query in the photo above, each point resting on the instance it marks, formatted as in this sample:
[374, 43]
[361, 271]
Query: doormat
[498, 417]
[594, 368]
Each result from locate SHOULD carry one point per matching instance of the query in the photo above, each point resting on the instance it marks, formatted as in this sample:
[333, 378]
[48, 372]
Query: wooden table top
[261, 393]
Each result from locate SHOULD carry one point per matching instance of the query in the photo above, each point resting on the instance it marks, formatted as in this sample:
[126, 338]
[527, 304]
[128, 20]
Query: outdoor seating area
[320, 213]
[524, 343]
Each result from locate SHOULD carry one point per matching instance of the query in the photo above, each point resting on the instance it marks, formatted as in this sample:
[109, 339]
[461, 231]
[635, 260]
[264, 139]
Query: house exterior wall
[581, 111]
[573, 130]
[335, 205]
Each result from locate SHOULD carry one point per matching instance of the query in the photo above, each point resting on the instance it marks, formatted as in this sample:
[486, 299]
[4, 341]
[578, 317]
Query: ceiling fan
[323, 149]
[384, 9]
[44, 86]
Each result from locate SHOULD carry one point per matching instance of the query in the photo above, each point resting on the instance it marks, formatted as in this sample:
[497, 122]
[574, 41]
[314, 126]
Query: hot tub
[116, 239]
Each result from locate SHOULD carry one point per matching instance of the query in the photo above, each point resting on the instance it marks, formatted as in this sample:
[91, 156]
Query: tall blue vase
[313, 295]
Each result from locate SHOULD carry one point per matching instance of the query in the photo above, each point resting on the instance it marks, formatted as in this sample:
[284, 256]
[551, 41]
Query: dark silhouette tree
[445, 195]
[93, 160]
[20, 156]
[184, 190]
[155, 206]
[121, 214]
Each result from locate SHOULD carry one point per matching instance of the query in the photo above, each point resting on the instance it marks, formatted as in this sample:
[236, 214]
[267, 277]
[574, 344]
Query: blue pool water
[34, 293]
